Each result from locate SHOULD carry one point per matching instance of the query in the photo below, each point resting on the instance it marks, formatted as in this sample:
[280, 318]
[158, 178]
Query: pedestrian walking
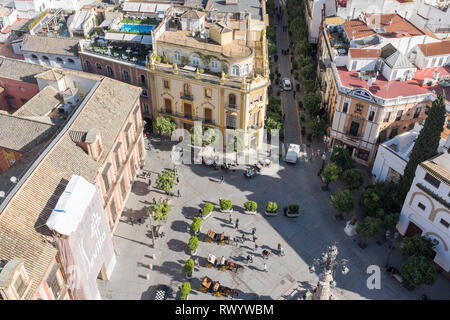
[295, 92]
[221, 179]
[243, 237]
[230, 219]
[154, 200]
[132, 221]
[254, 238]
[237, 224]
[178, 180]
[281, 251]
[253, 231]
[149, 182]
[318, 153]
[279, 246]
[178, 193]
[256, 247]
[248, 258]
[265, 267]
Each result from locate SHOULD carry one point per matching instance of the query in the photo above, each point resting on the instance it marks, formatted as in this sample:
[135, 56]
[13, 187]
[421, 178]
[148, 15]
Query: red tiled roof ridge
[435, 48]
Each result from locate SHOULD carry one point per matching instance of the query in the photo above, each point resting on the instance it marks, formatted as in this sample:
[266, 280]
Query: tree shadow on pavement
[176, 245]
[171, 268]
[180, 226]
[140, 188]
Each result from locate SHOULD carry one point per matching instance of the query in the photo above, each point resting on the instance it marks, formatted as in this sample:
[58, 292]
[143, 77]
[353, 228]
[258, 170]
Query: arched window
[232, 100]
[195, 61]
[71, 61]
[34, 56]
[59, 60]
[45, 58]
[143, 80]
[236, 70]
[109, 71]
[88, 65]
[245, 69]
[99, 66]
[177, 57]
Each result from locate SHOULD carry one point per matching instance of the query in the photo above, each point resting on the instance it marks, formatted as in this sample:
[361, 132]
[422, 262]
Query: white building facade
[426, 210]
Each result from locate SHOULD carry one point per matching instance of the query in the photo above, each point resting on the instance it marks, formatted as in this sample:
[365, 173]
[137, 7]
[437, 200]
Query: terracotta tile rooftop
[394, 25]
[380, 87]
[440, 165]
[22, 223]
[435, 48]
[364, 53]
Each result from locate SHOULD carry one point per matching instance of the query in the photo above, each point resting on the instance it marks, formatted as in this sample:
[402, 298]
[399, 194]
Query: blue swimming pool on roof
[141, 28]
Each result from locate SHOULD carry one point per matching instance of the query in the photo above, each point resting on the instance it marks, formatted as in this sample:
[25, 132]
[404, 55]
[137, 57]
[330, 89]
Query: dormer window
[20, 286]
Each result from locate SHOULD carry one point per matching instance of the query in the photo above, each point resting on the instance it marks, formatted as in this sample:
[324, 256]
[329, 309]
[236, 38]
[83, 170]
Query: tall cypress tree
[426, 144]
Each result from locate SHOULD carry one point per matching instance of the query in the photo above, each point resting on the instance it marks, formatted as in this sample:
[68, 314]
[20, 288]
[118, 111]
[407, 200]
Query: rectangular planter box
[271, 213]
[250, 212]
[292, 215]
[226, 211]
[207, 216]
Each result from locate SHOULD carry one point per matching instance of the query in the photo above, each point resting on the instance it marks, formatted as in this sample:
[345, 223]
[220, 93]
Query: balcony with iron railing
[187, 116]
[187, 96]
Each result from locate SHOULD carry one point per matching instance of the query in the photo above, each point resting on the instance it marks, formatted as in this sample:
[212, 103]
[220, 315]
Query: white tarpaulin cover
[148, 7]
[71, 206]
[88, 248]
[114, 36]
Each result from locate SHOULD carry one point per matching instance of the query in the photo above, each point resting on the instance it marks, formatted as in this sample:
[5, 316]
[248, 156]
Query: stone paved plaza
[303, 238]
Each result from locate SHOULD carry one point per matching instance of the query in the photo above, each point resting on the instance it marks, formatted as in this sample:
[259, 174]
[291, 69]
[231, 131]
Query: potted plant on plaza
[226, 206]
[196, 225]
[206, 210]
[189, 267]
[193, 245]
[159, 211]
[271, 208]
[293, 211]
[250, 207]
[185, 289]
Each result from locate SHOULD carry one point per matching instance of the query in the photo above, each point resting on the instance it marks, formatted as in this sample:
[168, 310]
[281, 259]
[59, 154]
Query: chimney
[369, 82]
[94, 143]
[390, 21]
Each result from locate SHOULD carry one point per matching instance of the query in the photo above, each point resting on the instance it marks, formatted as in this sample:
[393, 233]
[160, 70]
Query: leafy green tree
[166, 180]
[369, 200]
[343, 201]
[196, 224]
[330, 173]
[309, 85]
[202, 136]
[250, 206]
[418, 245]
[318, 126]
[389, 196]
[368, 228]
[207, 208]
[225, 204]
[185, 289]
[352, 178]
[426, 144]
[419, 270]
[165, 126]
[312, 102]
[159, 211]
[342, 158]
[193, 243]
[388, 221]
[271, 207]
[189, 267]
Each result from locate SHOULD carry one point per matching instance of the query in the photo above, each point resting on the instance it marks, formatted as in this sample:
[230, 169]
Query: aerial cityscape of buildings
[91, 91]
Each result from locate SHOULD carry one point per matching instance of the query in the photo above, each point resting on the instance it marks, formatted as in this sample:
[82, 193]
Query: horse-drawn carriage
[219, 238]
[222, 264]
[215, 288]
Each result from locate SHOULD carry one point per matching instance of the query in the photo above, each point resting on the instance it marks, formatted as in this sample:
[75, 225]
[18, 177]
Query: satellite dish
[13, 179]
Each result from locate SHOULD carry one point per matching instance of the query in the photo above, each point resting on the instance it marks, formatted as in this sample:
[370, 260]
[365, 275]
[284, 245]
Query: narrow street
[289, 105]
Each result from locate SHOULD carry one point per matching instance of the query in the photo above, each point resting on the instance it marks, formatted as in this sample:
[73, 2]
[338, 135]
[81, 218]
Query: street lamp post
[393, 242]
[328, 263]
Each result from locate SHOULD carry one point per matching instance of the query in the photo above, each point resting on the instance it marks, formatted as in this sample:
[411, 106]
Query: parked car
[163, 292]
[292, 153]
[286, 84]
